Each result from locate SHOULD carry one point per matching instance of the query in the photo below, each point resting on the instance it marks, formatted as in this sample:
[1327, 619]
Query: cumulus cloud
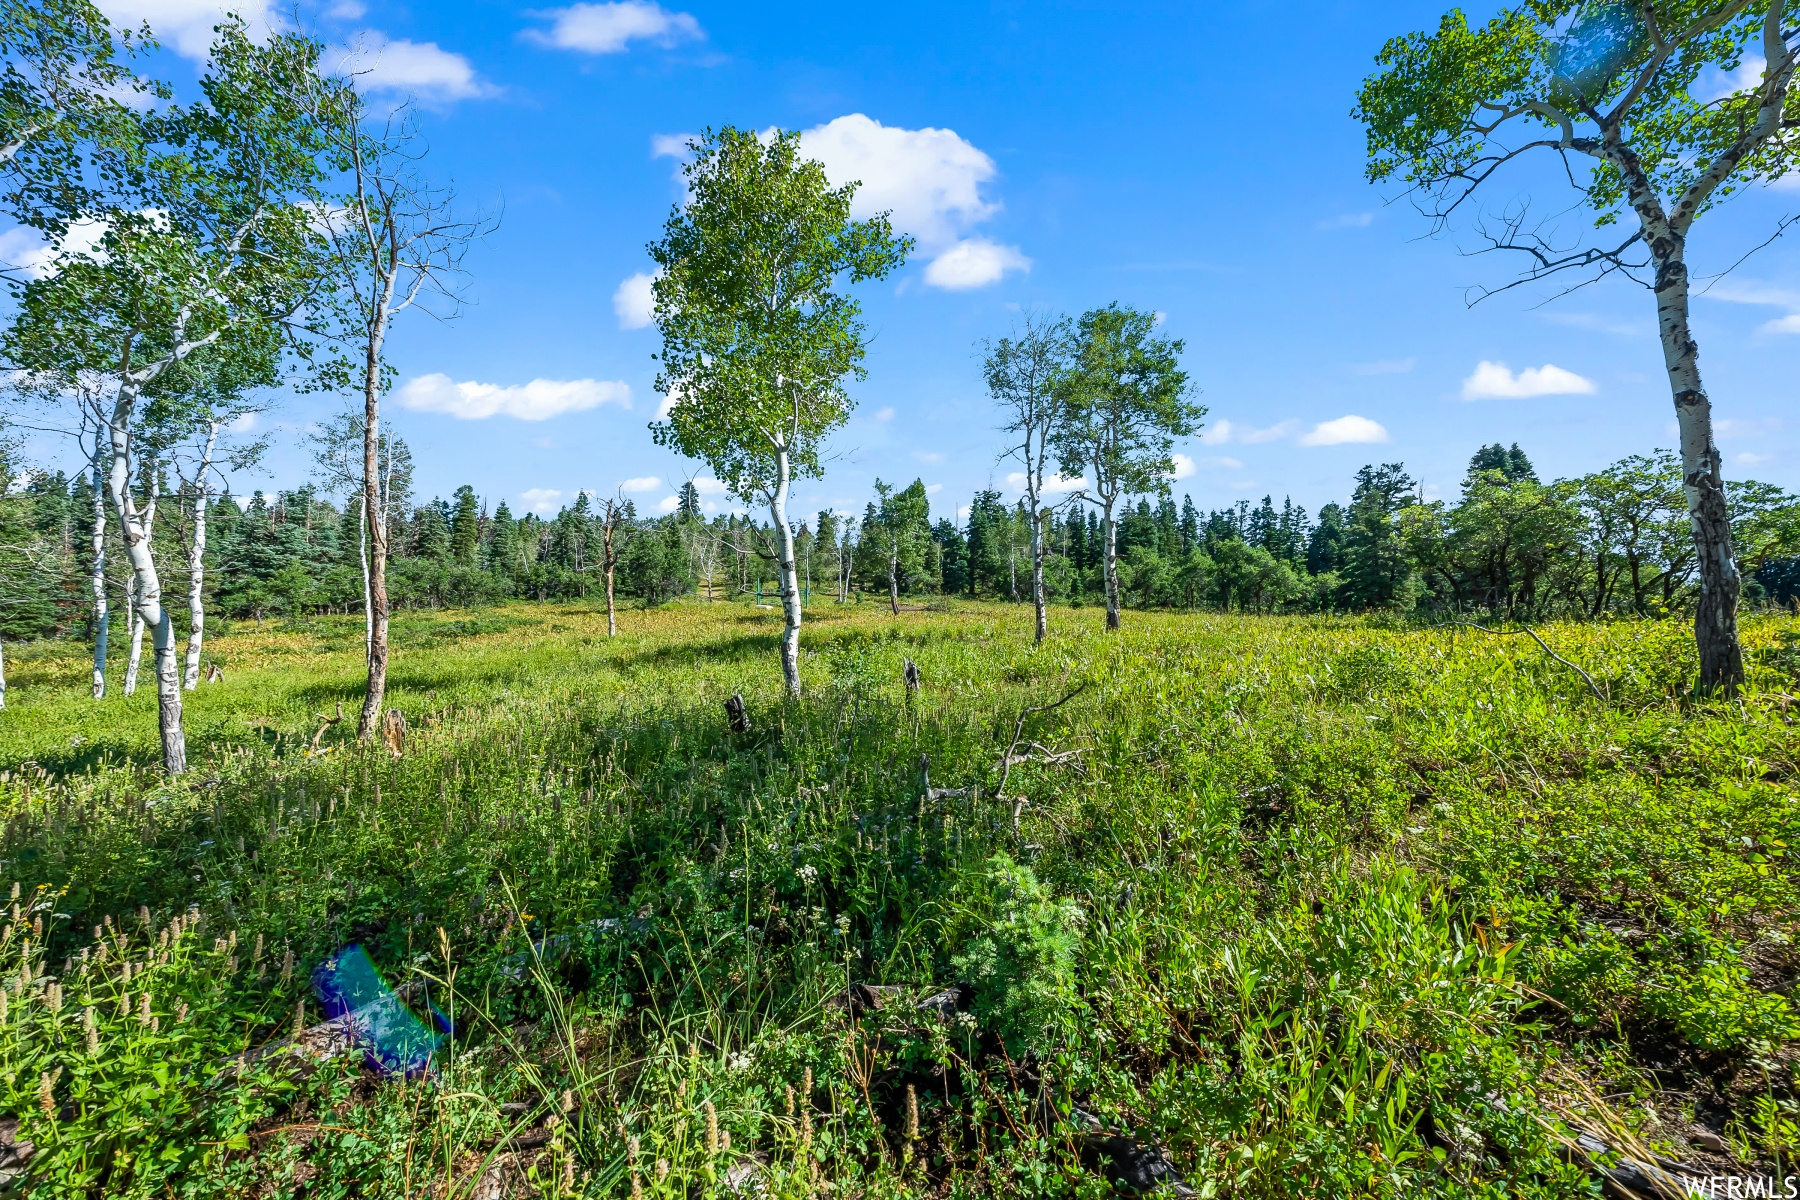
[635, 302]
[186, 26]
[23, 250]
[1184, 466]
[644, 483]
[932, 489]
[1345, 431]
[666, 405]
[422, 69]
[1492, 381]
[1748, 459]
[538, 400]
[1216, 434]
[974, 263]
[671, 145]
[668, 504]
[1229, 464]
[930, 180]
[1356, 220]
[1787, 324]
[541, 500]
[610, 28]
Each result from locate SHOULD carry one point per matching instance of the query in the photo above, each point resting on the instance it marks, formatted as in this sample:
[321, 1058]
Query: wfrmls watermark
[1740, 1187]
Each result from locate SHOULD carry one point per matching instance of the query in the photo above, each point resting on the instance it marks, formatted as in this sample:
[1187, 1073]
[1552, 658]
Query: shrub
[1021, 959]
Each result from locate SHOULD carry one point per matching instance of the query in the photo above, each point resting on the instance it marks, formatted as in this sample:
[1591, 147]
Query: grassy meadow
[1318, 906]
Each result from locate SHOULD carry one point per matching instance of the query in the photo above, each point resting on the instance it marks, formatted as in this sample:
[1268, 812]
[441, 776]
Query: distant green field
[1320, 907]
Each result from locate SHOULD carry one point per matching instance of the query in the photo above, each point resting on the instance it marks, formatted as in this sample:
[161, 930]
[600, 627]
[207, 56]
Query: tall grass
[1319, 906]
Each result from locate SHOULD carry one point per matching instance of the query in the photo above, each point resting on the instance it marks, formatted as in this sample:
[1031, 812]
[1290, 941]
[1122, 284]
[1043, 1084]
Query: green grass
[1323, 907]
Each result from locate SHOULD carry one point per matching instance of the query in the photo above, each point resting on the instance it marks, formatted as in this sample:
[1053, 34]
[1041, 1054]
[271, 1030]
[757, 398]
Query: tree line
[203, 251]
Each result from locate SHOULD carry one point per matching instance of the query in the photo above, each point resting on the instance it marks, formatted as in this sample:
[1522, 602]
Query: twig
[1006, 763]
[1540, 641]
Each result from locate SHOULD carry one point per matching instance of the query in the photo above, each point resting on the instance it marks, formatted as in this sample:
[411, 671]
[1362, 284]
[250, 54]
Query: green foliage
[1020, 955]
[756, 340]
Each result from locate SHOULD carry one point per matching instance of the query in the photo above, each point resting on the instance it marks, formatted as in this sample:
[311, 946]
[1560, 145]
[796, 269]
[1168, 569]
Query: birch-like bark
[197, 564]
[1109, 532]
[375, 510]
[894, 577]
[147, 594]
[790, 581]
[362, 562]
[1042, 626]
[134, 620]
[98, 579]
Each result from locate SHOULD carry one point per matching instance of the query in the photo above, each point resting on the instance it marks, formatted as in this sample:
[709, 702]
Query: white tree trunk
[1042, 626]
[2, 677]
[197, 565]
[790, 582]
[134, 637]
[147, 597]
[137, 623]
[362, 561]
[101, 616]
[1109, 531]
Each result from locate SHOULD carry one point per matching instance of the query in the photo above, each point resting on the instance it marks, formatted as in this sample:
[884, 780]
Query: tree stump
[735, 713]
[393, 731]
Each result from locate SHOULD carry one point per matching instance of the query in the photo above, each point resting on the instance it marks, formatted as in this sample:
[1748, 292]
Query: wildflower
[790, 1101]
[568, 1101]
[568, 1173]
[662, 1168]
[912, 1113]
[843, 924]
[15, 893]
[144, 1008]
[809, 874]
[739, 1061]
[2, 1006]
[37, 927]
[91, 1029]
[181, 1012]
[125, 971]
[299, 1019]
[124, 1004]
[637, 1187]
[47, 1091]
[256, 954]
[53, 996]
[712, 1128]
[287, 966]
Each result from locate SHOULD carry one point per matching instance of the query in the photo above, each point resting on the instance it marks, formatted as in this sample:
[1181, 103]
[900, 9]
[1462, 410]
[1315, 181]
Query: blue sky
[1195, 160]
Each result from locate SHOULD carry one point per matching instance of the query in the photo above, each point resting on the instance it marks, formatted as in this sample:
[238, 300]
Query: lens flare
[351, 989]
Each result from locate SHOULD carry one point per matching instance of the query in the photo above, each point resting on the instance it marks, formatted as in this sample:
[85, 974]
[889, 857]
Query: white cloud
[930, 181]
[1787, 324]
[1158, 317]
[1055, 484]
[1216, 434]
[186, 26]
[422, 69]
[932, 489]
[931, 457]
[1747, 459]
[24, 250]
[671, 145]
[668, 504]
[1358, 220]
[634, 302]
[535, 401]
[541, 500]
[973, 263]
[1274, 433]
[1184, 466]
[962, 514]
[1383, 366]
[347, 10]
[884, 415]
[608, 28]
[1715, 84]
[1230, 464]
[1492, 381]
[644, 483]
[1345, 431]
[708, 486]
[666, 405]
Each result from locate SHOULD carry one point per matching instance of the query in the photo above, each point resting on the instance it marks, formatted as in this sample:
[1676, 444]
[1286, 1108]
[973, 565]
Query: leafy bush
[1021, 959]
